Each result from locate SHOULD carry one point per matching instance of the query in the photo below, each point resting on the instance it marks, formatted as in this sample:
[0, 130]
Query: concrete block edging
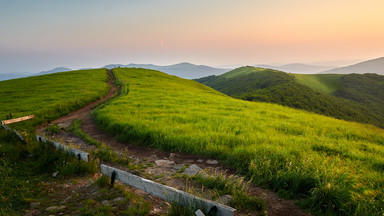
[83, 155]
[166, 192]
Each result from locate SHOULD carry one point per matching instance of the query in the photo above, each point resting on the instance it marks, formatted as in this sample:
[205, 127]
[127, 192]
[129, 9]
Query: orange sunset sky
[39, 35]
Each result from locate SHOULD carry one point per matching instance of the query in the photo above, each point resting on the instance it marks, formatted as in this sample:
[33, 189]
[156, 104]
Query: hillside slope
[49, 96]
[371, 66]
[350, 97]
[334, 166]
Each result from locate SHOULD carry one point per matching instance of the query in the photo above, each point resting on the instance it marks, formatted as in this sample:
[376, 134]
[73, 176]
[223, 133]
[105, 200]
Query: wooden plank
[166, 192]
[75, 152]
[10, 121]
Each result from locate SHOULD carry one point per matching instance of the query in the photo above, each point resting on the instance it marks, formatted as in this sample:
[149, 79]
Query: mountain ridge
[370, 66]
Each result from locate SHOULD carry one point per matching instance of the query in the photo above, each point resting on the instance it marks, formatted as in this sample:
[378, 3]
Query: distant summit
[55, 70]
[183, 70]
[371, 66]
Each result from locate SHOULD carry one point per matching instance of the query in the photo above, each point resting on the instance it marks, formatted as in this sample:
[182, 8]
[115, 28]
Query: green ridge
[352, 97]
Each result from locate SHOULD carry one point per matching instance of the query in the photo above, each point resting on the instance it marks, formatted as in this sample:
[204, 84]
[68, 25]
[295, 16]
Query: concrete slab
[75, 152]
[166, 192]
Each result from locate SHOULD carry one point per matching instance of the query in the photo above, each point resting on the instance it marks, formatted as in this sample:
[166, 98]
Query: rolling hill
[333, 166]
[48, 96]
[352, 97]
[371, 66]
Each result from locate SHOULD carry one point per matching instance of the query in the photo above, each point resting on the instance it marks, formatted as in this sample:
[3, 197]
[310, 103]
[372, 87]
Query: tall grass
[334, 166]
[51, 96]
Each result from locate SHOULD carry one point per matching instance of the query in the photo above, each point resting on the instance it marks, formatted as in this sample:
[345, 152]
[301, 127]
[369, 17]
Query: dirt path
[140, 154]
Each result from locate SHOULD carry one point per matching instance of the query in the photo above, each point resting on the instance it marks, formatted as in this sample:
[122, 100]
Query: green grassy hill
[350, 97]
[53, 95]
[333, 166]
[24, 168]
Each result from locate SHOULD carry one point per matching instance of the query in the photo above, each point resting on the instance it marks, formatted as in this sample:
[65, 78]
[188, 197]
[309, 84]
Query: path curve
[275, 205]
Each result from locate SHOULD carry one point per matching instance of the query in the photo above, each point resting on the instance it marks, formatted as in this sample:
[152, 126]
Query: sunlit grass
[51, 96]
[325, 83]
[336, 166]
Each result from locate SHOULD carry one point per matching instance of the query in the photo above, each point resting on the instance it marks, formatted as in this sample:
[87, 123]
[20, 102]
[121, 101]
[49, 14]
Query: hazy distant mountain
[8, 76]
[371, 66]
[55, 70]
[183, 70]
[298, 68]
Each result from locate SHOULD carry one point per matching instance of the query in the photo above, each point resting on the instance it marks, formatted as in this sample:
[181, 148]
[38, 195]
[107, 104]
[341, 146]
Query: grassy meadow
[53, 95]
[332, 166]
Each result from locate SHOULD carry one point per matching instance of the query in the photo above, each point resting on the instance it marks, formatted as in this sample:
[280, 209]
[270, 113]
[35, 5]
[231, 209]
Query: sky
[44, 34]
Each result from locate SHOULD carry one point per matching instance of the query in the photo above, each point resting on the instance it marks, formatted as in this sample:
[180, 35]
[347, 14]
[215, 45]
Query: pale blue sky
[39, 35]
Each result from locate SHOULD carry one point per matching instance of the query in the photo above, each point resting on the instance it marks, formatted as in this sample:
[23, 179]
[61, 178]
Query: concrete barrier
[5, 127]
[82, 155]
[166, 192]
[20, 137]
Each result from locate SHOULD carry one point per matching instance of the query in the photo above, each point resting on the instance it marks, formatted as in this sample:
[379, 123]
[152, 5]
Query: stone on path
[226, 199]
[118, 199]
[212, 162]
[51, 208]
[192, 170]
[165, 163]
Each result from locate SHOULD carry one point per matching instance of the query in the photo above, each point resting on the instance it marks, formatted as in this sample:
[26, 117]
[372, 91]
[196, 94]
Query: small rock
[155, 211]
[55, 174]
[51, 208]
[200, 161]
[34, 204]
[165, 163]
[172, 155]
[105, 202]
[61, 208]
[226, 199]
[118, 199]
[178, 167]
[31, 155]
[212, 162]
[192, 170]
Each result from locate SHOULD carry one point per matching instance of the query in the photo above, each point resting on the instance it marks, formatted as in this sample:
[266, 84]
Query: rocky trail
[160, 166]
